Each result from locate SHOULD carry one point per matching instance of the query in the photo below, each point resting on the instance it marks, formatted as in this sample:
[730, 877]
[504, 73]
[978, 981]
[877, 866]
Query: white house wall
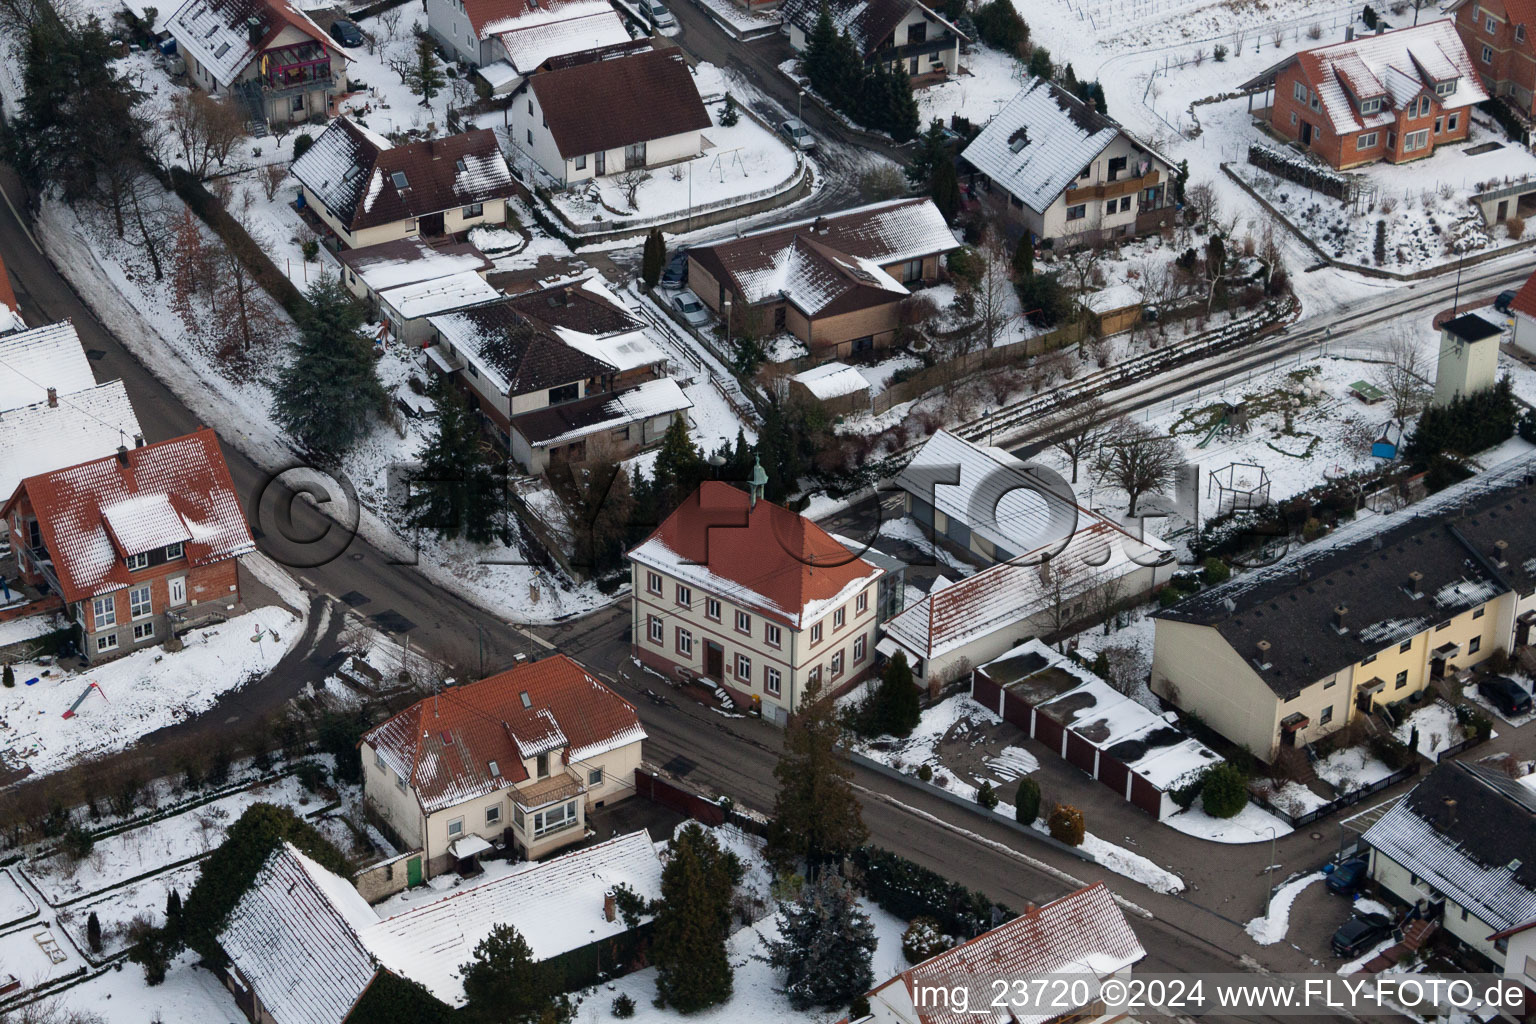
[450, 26]
[1208, 676]
[1398, 880]
[1055, 222]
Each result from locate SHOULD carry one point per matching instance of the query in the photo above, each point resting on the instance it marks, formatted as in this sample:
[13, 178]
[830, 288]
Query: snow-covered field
[138, 693]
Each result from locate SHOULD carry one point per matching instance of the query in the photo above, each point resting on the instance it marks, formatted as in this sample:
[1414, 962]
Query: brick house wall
[1509, 69]
[1296, 120]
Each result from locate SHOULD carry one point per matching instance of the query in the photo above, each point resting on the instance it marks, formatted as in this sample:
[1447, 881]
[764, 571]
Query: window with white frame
[1451, 122]
[552, 819]
[861, 603]
[1370, 106]
[1487, 55]
[813, 676]
[837, 664]
[106, 643]
[173, 551]
[743, 623]
[1367, 140]
[772, 681]
[860, 648]
[839, 617]
[1439, 123]
[143, 631]
[773, 635]
[684, 641]
[816, 633]
[473, 210]
[743, 668]
[1298, 92]
[1474, 645]
[1077, 212]
[104, 611]
[1416, 140]
[1446, 88]
[581, 162]
[135, 562]
[139, 602]
[1293, 117]
[595, 777]
[653, 582]
[378, 760]
[685, 596]
[455, 827]
[1423, 105]
[712, 608]
[657, 630]
[400, 782]
[493, 814]
[1520, 33]
[1489, 24]
[1326, 716]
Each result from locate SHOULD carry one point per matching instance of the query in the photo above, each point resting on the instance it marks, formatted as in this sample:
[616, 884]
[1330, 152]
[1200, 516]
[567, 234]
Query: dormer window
[1370, 106]
[1519, 33]
[1446, 88]
[137, 561]
[173, 551]
[398, 177]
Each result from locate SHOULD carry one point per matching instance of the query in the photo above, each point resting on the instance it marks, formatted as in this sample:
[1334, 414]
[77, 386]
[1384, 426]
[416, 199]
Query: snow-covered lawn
[741, 161]
[143, 901]
[138, 693]
[15, 904]
[1271, 928]
[1292, 797]
[988, 79]
[23, 954]
[739, 18]
[1253, 824]
[1437, 728]
[189, 995]
[1351, 768]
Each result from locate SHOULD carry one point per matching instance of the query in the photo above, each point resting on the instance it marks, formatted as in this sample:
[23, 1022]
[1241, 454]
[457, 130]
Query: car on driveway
[346, 33]
[1346, 878]
[1360, 933]
[797, 133]
[688, 306]
[676, 274]
[661, 18]
[1504, 693]
[1504, 301]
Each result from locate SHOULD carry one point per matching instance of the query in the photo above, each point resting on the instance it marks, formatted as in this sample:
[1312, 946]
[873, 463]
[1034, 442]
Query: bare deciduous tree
[147, 215]
[995, 306]
[629, 183]
[204, 130]
[1202, 202]
[272, 177]
[389, 21]
[1079, 430]
[1401, 377]
[1128, 667]
[1081, 261]
[1137, 459]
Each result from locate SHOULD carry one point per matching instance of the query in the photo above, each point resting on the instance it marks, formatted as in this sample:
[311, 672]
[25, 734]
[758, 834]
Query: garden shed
[1085, 721]
[837, 387]
[1117, 308]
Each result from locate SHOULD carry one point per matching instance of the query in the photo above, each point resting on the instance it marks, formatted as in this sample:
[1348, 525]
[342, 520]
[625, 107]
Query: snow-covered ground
[1351, 768]
[138, 693]
[1437, 728]
[1253, 824]
[1271, 928]
[1470, 691]
[740, 19]
[988, 79]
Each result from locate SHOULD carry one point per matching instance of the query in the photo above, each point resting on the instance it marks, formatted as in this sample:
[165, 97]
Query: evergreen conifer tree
[897, 708]
[330, 389]
[8, 675]
[930, 149]
[944, 188]
[679, 469]
[503, 984]
[93, 932]
[459, 491]
[729, 114]
[424, 74]
[816, 817]
[825, 945]
[653, 258]
[902, 117]
[820, 56]
[1024, 257]
[693, 920]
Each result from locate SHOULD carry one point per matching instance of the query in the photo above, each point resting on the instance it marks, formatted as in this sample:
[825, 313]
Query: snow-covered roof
[446, 745]
[1115, 297]
[500, 75]
[42, 358]
[557, 906]
[1396, 66]
[529, 45]
[296, 936]
[84, 424]
[493, 17]
[660, 397]
[869, 23]
[832, 380]
[515, 353]
[94, 514]
[1082, 932]
[410, 260]
[426, 298]
[617, 338]
[1037, 145]
[216, 33]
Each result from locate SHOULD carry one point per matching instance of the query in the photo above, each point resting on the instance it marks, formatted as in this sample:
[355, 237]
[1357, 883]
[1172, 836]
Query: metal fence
[1347, 800]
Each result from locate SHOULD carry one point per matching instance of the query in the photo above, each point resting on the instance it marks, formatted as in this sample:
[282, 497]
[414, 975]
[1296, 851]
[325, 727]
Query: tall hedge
[909, 890]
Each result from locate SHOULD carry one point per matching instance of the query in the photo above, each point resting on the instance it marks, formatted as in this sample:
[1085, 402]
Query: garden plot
[740, 162]
[1436, 727]
[1351, 768]
[39, 953]
[136, 694]
[189, 995]
[988, 79]
[123, 911]
[961, 742]
[158, 845]
[15, 904]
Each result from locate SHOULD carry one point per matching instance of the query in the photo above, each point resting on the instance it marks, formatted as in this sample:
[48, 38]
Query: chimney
[122, 455]
[138, 440]
[1339, 614]
[610, 906]
[1499, 546]
[818, 226]
[1349, 33]
[1380, 28]
[1045, 571]
[1448, 813]
[53, 398]
[1262, 658]
[1414, 586]
[253, 29]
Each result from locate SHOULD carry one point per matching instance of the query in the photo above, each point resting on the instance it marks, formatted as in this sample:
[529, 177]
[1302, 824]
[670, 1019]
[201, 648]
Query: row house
[138, 544]
[749, 597]
[517, 759]
[1276, 659]
[1497, 34]
[267, 53]
[903, 35]
[1394, 96]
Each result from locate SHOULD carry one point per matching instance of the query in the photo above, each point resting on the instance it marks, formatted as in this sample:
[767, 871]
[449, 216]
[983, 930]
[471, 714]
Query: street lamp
[717, 460]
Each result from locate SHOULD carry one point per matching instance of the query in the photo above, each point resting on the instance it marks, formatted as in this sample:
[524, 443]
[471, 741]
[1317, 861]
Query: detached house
[517, 758]
[267, 53]
[406, 281]
[509, 39]
[752, 598]
[138, 544]
[1392, 96]
[835, 282]
[1055, 166]
[904, 35]
[365, 191]
[1497, 35]
[1279, 657]
[609, 111]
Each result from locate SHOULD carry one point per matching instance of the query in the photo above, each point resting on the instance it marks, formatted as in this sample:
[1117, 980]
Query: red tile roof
[1081, 933]
[93, 515]
[1525, 298]
[765, 556]
[445, 745]
[7, 296]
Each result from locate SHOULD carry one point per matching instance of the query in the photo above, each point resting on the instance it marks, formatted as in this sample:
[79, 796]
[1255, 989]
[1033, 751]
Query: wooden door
[714, 660]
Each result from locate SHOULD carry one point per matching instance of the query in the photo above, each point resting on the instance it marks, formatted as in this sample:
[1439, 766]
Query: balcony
[278, 85]
[1112, 189]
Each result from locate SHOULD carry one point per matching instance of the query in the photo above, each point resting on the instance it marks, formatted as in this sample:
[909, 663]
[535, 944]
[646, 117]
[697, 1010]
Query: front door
[177, 591]
[413, 872]
[1306, 134]
[714, 661]
[1437, 667]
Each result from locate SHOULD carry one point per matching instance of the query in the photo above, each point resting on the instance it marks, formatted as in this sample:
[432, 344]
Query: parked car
[1346, 878]
[676, 274]
[346, 33]
[688, 306]
[1505, 694]
[1360, 933]
[660, 17]
[797, 133]
[1503, 302]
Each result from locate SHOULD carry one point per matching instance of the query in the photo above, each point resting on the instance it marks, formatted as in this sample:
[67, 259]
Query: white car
[660, 17]
[797, 133]
[688, 306]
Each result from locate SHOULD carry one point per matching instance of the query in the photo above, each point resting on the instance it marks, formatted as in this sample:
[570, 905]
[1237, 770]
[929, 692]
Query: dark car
[1506, 695]
[1346, 878]
[1360, 933]
[676, 274]
[1503, 302]
[346, 33]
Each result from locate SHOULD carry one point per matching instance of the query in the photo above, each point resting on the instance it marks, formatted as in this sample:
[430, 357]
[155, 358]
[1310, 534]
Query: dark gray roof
[1291, 604]
[1470, 327]
[1481, 852]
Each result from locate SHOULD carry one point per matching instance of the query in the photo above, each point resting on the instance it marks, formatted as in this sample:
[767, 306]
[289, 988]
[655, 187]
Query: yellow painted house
[1282, 656]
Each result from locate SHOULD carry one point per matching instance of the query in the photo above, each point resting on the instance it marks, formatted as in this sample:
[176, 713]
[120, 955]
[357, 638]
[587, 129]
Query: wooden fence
[952, 370]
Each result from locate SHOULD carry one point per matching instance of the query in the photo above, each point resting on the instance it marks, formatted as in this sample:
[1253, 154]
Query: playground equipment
[1240, 485]
[1233, 420]
[81, 699]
